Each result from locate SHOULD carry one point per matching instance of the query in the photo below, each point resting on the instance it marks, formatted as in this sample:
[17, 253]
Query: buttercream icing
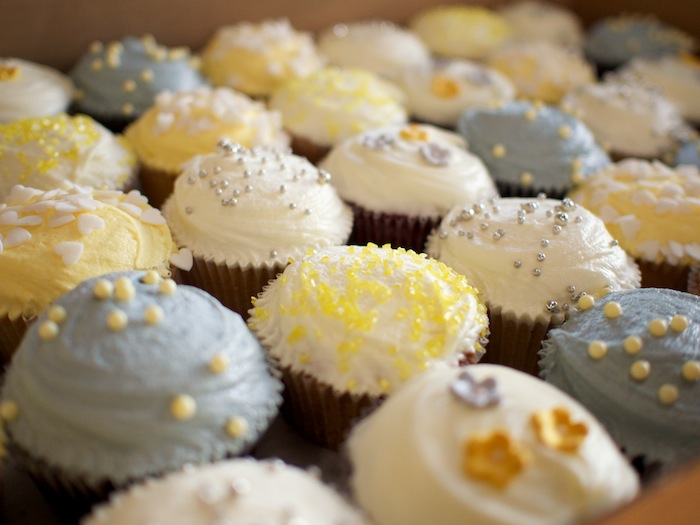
[538, 21]
[488, 445]
[119, 402]
[365, 319]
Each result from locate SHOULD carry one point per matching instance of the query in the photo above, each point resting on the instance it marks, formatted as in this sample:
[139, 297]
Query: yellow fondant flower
[494, 458]
[444, 87]
[555, 429]
[414, 132]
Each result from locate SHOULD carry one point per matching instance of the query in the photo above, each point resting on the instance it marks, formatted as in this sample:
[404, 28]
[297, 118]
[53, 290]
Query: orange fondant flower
[444, 87]
[414, 132]
[555, 429]
[494, 458]
[8, 72]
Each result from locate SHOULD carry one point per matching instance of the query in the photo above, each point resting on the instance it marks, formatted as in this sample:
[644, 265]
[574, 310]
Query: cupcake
[628, 119]
[694, 280]
[531, 259]
[243, 213]
[28, 89]
[654, 212]
[460, 31]
[236, 491]
[188, 123]
[347, 325]
[688, 153]
[531, 148]
[487, 445]
[379, 46]
[677, 77]
[615, 40]
[538, 21]
[52, 240]
[541, 70]
[633, 360]
[118, 81]
[441, 91]
[257, 58]
[401, 180]
[112, 385]
[333, 104]
[46, 152]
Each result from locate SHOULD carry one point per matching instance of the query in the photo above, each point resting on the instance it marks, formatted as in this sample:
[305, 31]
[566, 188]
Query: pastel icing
[366, 319]
[379, 46]
[45, 152]
[537, 21]
[460, 31]
[617, 39]
[688, 153]
[188, 123]
[68, 235]
[121, 78]
[629, 119]
[29, 90]
[432, 440]
[443, 90]
[541, 70]
[532, 145]
[257, 58]
[534, 257]
[416, 170]
[106, 404]
[650, 208]
[255, 206]
[236, 490]
[627, 388]
[333, 104]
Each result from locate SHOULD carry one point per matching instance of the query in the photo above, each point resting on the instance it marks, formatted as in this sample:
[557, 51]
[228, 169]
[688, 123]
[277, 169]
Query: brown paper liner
[312, 151]
[11, 333]
[320, 413]
[516, 342]
[233, 285]
[156, 184]
[509, 189]
[392, 228]
[664, 275]
[694, 280]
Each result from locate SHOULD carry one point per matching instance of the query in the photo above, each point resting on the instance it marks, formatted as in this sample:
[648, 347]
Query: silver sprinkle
[240, 160]
[565, 307]
[544, 243]
[292, 206]
[479, 207]
[283, 167]
[571, 288]
[224, 184]
[614, 243]
[487, 215]
[495, 209]
[307, 211]
[466, 214]
[521, 220]
[568, 204]
[283, 188]
[302, 171]
[552, 307]
[578, 219]
[556, 229]
[236, 192]
[461, 233]
[233, 202]
[493, 200]
[295, 177]
[190, 180]
[541, 256]
[453, 223]
[470, 235]
[273, 254]
[263, 160]
[323, 177]
[484, 226]
[541, 196]
[443, 234]
[530, 207]
[217, 169]
[203, 173]
[218, 191]
[247, 174]
[501, 232]
[261, 172]
[536, 272]
[561, 218]
[496, 236]
[213, 183]
[188, 210]
[224, 202]
[517, 263]
[549, 213]
[248, 188]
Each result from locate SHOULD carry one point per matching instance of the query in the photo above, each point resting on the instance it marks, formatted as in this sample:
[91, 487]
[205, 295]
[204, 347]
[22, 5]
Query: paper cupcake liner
[233, 285]
[693, 285]
[509, 189]
[319, 412]
[664, 275]
[392, 228]
[156, 184]
[11, 333]
[516, 342]
[306, 148]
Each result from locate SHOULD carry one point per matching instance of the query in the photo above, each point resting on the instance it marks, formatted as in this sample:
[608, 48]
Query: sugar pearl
[9, 410]
[640, 370]
[236, 427]
[117, 320]
[183, 407]
[597, 349]
[124, 289]
[151, 277]
[612, 310]
[658, 327]
[633, 344]
[585, 302]
[103, 289]
[153, 314]
[219, 363]
[679, 323]
[57, 314]
[691, 371]
[48, 330]
[168, 287]
[667, 394]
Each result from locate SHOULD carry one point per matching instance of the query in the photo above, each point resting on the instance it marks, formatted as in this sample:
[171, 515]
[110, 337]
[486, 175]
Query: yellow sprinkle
[667, 394]
[183, 407]
[103, 289]
[129, 86]
[577, 177]
[219, 363]
[304, 358]
[658, 327]
[236, 427]
[9, 410]
[577, 164]
[351, 385]
[679, 323]
[633, 344]
[444, 87]
[414, 132]
[385, 385]
[128, 109]
[531, 114]
[96, 64]
[151, 277]
[153, 314]
[526, 178]
[95, 47]
[585, 302]
[167, 287]
[57, 314]
[640, 370]
[297, 334]
[597, 349]
[612, 310]
[498, 151]
[564, 131]
[48, 330]
[124, 289]
[117, 320]
[691, 371]
[146, 75]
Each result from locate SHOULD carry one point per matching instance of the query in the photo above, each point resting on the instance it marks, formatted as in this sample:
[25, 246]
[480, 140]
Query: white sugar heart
[135, 198]
[70, 252]
[30, 220]
[182, 259]
[152, 216]
[60, 219]
[67, 207]
[87, 222]
[21, 194]
[693, 250]
[132, 210]
[15, 237]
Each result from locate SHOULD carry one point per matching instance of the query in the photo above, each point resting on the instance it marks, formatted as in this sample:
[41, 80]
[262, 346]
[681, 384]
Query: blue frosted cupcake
[687, 154]
[633, 359]
[112, 385]
[532, 148]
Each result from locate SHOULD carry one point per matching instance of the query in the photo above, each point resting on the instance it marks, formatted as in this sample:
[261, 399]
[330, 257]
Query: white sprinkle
[643, 198]
[649, 249]
[608, 213]
[67, 207]
[21, 194]
[16, 237]
[8, 218]
[136, 198]
[630, 226]
[666, 204]
[693, 250]
[70, 252]
[30, 220]
[182, 259]
[152, 216]
[132, 210]
[60, 219]
[88, 222]
[676, 248]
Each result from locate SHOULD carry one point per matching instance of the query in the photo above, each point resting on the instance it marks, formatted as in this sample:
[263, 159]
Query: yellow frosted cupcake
[52, 240]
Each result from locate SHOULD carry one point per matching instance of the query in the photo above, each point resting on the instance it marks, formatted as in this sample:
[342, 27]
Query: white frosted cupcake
[541, 21]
